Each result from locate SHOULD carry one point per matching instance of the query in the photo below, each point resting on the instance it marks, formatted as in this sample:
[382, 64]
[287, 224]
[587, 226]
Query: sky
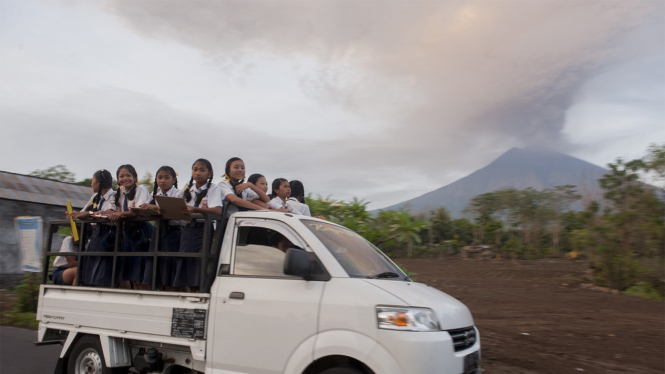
[380, 100]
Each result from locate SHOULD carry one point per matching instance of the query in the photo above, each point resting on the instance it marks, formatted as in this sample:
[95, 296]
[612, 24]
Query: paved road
[18, 355]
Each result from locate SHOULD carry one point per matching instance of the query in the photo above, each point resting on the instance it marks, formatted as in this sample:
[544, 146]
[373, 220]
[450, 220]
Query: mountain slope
[518, 168]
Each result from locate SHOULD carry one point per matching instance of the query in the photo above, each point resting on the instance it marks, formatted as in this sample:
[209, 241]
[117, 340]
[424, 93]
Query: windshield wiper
[387, 274]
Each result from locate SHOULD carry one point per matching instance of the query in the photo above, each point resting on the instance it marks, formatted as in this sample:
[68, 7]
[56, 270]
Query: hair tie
[226, 178]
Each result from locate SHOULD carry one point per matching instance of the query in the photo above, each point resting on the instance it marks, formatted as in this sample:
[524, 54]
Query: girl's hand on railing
[114, 217]
[189, 210]
[146, 206]
[77, 215]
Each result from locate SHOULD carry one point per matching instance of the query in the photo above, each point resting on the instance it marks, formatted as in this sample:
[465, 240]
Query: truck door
[261, 314]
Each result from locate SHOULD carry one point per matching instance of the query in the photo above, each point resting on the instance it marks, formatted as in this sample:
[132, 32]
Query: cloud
[449, 78]
[484, 65]
[411, 95]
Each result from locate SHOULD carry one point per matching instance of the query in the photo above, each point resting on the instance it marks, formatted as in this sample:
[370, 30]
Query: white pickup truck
[331, 304]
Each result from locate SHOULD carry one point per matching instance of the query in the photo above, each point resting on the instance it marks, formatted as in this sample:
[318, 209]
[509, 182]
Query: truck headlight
[407, 319]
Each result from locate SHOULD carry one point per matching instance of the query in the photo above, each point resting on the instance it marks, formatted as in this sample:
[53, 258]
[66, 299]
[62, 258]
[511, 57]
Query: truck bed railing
[209, 255]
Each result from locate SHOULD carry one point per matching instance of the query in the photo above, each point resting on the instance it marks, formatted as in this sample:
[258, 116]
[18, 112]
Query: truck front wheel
[87, 358]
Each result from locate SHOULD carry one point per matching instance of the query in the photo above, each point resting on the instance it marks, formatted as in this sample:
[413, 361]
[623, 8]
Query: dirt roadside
[534, 317]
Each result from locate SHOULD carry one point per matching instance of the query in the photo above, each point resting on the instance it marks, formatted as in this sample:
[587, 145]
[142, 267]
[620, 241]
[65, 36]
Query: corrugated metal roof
[42, 191]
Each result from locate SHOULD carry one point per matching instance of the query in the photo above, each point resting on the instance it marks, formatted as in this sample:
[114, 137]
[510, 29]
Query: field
[534, 317]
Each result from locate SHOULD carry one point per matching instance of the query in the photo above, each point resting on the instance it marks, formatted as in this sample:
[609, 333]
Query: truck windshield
[360, 258]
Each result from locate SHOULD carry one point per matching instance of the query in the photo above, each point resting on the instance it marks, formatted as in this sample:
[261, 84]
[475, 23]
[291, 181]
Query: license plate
[471, 362]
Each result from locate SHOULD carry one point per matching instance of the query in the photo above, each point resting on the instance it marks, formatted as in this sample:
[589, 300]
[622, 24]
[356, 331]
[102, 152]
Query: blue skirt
[169, 241]
[188, 270]
[96, 270]
[135, 238]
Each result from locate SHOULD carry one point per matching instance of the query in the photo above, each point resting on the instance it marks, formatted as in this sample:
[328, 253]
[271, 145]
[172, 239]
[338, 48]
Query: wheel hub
[89, 362]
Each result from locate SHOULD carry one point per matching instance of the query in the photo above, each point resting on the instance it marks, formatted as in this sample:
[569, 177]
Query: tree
[406, 229]
[440, 229]
[147, 181]
[461, 230]
[655, 161]
[623, 190]
[482, 207]
[57, 172]
[560, 198]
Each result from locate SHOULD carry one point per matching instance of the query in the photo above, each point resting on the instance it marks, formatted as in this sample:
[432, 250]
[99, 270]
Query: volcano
[518, 168]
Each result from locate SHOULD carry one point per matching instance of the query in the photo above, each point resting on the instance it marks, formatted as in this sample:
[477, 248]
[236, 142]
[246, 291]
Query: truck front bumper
[429, 352]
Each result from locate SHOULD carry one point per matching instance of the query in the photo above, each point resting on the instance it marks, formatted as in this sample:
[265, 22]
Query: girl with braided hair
[201, 196]
[166, 184]
[236, 191]
[135, 234]
[95, 270]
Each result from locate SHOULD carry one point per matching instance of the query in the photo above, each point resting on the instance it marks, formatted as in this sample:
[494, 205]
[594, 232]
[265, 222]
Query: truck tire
[342, 370]
[87, 357]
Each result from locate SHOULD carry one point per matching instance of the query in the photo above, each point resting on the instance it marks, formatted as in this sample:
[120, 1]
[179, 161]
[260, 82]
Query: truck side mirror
[296, 263]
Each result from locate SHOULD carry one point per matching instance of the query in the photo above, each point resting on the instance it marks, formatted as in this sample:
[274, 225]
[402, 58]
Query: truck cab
[288, 294]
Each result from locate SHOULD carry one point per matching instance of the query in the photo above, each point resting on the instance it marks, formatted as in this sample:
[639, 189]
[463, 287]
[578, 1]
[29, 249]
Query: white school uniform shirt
[67, 246]
[277, 203]
[173, 192]
[297, 207]
[211, 200]
[107, 201]
[247, 194]
[141, 196]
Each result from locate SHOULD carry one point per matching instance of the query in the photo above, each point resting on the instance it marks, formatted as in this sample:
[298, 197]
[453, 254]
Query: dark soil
[534, 317]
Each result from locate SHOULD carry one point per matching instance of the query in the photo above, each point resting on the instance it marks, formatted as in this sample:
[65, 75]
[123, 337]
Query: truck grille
[463, 338]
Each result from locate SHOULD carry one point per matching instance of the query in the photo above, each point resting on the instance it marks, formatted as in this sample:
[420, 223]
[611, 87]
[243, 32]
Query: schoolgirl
[296, 201]
[166, 184]
[235, 191]
[260, 181]
[135, 234]
[280, 193]
[96, 270]
[201, 196]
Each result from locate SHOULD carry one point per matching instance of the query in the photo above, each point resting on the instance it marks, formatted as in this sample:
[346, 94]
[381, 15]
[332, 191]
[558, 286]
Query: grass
[26, 319]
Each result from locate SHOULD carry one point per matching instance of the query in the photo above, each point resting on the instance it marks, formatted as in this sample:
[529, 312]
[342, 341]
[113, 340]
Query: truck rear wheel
[87, 358]
[342, 370]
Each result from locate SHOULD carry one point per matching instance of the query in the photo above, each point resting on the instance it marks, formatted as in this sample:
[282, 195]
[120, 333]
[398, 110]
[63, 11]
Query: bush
[615, 270]
[512, 247]
[528, 252]
[21, 319]
[420, 251]
[27, 294]
[546, 252]
[645, 290]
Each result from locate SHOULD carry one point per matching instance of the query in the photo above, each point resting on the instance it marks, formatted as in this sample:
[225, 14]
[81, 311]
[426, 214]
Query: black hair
[297, 189]
[132, 191]
[227, 169]
[105, 180]
[169, 170]
[254, 178]
[275, 186]
[199, 197]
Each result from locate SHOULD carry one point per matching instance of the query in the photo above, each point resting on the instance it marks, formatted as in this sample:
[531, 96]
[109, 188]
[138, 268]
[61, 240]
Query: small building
[23, 195]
